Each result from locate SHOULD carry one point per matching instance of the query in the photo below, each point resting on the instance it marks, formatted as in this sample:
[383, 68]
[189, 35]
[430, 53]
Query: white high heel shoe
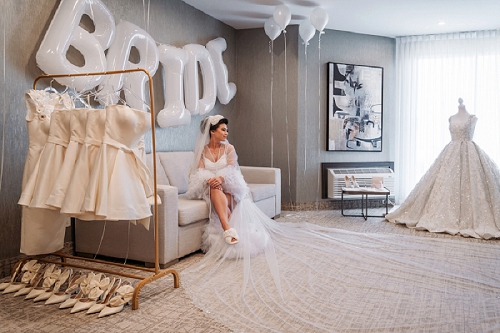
[55, 288]
[73, 287]
[354, 182]
[16, 273]
[44, 282]
[95, 294]
[101, 304]
[87, 284]
[47, 286]
[28, 271]
[33, 282]
[116, 304]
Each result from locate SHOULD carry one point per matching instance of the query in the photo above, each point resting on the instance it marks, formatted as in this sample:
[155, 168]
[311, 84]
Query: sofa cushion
[262, 191]
[161, 177]
[176, 165]
[191, 211]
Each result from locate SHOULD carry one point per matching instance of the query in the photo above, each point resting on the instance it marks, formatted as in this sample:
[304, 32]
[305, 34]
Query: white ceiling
[388, 18]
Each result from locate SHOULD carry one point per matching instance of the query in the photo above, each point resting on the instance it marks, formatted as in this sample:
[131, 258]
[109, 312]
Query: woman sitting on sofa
[215, 177]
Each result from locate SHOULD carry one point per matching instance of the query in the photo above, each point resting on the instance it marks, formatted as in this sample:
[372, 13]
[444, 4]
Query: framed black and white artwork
[354, 107]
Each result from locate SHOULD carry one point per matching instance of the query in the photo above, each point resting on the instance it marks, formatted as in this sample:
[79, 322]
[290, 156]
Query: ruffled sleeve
[234, 183]
[198, 183]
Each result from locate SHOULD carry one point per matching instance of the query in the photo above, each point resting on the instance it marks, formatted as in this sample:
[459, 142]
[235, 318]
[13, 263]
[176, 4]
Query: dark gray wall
[25, 23]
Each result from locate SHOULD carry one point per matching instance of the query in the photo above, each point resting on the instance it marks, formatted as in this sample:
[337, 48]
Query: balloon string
[287, 136]
[319, 118]
[271, 51]
[305, 109]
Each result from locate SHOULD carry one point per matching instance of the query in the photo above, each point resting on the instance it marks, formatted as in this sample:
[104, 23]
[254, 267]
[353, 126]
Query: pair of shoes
[121, 297]
[229, 235]
[73, 285]
[61, 280]
[33, 282]
[86, 285]
[50, 276]
[93, 295]
[350, 182]
[106, 296]
[22, 278]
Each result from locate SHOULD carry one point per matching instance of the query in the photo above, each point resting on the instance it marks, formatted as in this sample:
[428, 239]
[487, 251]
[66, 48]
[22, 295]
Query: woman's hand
[215, 182]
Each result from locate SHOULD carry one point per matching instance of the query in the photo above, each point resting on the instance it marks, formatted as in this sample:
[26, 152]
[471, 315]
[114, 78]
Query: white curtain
[432, 72]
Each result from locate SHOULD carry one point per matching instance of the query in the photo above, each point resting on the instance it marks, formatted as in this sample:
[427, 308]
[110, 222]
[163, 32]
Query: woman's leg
[221, 202]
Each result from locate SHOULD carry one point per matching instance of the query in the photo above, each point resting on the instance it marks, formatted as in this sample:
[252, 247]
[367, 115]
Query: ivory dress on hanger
[120, 185]
[48, 167]
[42, 230]
[78, 120]
[94, 131]
[459, 194]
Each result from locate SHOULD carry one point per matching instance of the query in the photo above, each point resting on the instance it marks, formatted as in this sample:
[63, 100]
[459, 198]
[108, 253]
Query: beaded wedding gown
[302, 277]
[459, 194]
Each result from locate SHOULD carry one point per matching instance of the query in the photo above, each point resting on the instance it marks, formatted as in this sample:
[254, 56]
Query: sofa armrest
[264, 175]
[168, 223]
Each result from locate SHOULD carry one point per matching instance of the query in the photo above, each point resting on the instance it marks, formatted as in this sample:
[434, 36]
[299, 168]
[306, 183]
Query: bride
[268, 276]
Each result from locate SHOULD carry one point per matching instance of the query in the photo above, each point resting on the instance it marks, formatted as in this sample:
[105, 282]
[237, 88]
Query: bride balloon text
[180, 74]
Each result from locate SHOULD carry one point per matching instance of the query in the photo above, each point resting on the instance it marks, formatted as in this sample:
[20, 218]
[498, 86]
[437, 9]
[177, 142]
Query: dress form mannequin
[462, 115]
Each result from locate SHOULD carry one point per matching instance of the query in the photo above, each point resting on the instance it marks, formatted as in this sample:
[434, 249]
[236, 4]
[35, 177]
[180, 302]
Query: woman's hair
[216, 126]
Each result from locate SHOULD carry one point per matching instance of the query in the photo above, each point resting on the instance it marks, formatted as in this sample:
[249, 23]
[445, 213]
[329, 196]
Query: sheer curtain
[432, 72]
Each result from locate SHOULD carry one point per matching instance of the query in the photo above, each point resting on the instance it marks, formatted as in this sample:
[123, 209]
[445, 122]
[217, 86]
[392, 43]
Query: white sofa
[180, 220]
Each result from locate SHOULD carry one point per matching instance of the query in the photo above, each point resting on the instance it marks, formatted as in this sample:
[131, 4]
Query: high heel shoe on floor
[94, 294]
[72, 288]
[48, 284]
[33, 282]
[28, 271]
[63, 277]
[101, 304]
[16, 273]
[43, 283]
[87, 284]
[116, 304]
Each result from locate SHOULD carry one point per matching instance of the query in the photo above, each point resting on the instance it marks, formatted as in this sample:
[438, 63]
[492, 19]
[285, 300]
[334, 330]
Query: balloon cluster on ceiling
[307, 28]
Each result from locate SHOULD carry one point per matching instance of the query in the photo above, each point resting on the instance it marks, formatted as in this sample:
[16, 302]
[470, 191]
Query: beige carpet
[163, 308]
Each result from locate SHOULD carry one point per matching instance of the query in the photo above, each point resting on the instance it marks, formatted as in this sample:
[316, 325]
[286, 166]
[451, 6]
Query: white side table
[365, 192]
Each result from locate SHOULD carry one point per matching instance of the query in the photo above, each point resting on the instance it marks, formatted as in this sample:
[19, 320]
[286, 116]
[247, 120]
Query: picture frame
[355, 107]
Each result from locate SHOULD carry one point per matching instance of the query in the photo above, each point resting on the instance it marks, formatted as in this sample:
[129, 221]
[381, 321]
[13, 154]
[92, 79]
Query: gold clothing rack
[157, 273]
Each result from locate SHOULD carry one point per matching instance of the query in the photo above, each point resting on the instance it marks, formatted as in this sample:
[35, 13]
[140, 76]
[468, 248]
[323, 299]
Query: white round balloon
[282, 16]
[306, 31]
[272, 29]
[319, 18]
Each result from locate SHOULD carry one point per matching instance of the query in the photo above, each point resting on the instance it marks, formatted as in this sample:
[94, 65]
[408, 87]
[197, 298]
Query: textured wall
[342, 47]
[256, 124]
[24, 22]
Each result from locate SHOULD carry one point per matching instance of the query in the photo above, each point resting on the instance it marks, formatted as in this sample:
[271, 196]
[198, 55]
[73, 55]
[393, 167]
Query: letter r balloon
[129, 35]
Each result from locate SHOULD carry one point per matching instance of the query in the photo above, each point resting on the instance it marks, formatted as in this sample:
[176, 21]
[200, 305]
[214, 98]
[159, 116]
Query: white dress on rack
[75, 194]
[301, 277]
[120, 185]
[47, 169]
[78, 119]
[42, 230]
[459, 194]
